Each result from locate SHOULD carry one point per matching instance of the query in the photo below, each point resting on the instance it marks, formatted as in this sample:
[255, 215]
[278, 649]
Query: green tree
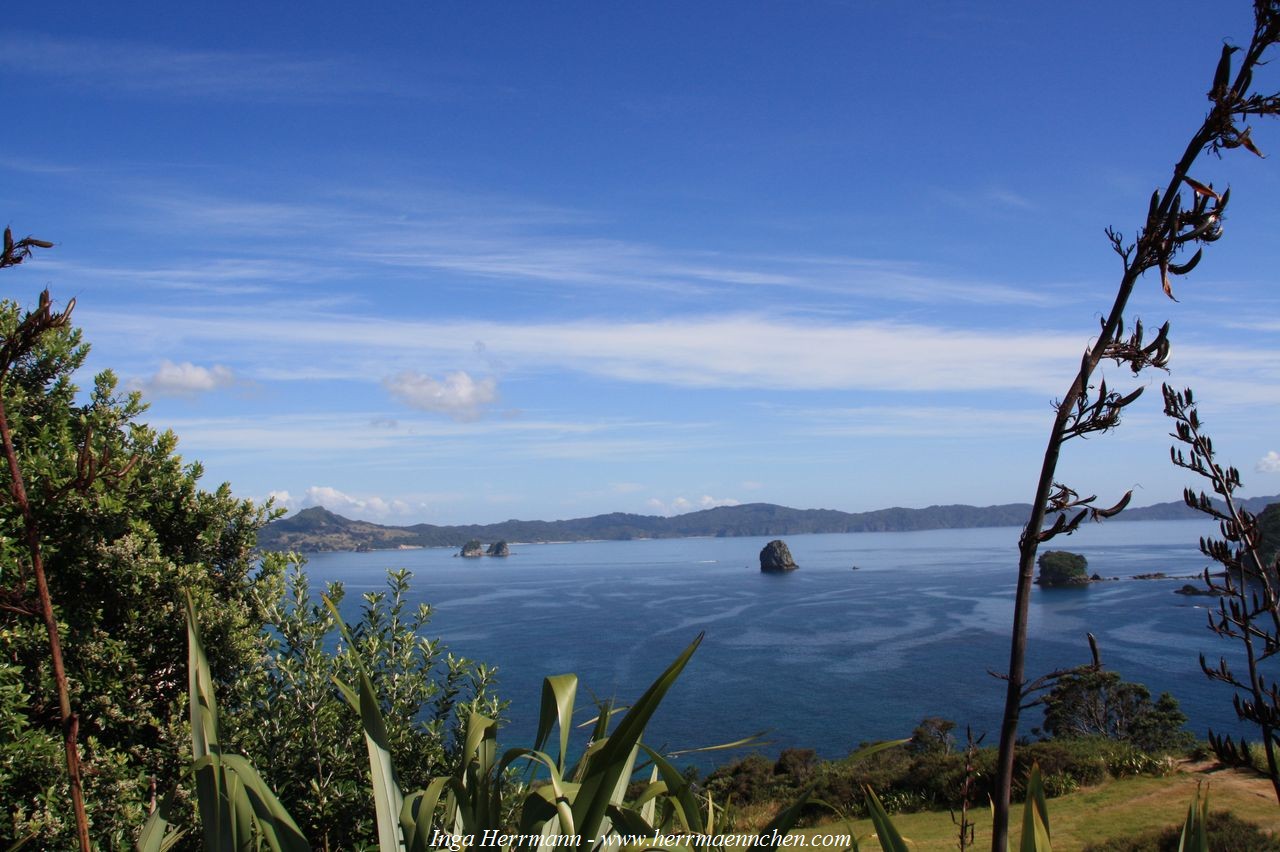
[932, 736]
[1090, 701]
[124, 530]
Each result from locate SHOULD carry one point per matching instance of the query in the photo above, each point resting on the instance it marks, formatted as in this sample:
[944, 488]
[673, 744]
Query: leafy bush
[292, 723]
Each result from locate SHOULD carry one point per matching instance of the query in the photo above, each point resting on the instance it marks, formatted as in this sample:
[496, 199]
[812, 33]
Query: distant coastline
[318, 530]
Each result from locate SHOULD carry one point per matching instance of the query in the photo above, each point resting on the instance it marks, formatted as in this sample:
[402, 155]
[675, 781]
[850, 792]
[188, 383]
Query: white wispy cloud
[457, 394]
[533, 245]
[380, 441]
[185, 379]
[918, 421]
[587, 262]
[211, 276]
[734, 351]
[1270, 463]
[139, 68]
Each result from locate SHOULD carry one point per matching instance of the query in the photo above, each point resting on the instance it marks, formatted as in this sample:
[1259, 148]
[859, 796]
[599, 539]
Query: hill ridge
[317, 529]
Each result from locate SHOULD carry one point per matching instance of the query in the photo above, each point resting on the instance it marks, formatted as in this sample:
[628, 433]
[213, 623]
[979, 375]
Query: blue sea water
[824, 657]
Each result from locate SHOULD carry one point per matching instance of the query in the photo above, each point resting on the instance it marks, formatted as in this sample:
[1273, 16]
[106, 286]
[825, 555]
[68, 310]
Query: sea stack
[776, 558]
[498, 548]
[472, 549]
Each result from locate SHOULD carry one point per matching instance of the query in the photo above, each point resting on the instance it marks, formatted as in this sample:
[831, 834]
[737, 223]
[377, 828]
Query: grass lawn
[1120, 808]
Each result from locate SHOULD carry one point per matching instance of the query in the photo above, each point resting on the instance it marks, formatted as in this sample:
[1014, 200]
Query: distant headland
[317, 529]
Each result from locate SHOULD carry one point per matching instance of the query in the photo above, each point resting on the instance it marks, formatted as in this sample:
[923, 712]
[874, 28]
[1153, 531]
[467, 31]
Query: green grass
[1120, 808]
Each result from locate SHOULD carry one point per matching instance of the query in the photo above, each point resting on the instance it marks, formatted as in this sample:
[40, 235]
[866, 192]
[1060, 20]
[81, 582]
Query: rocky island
[474, 549]
[775, 558]
[1063, 568]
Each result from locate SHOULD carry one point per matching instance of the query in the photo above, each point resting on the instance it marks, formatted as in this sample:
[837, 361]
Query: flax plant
[1249, 607]
[1188, 212]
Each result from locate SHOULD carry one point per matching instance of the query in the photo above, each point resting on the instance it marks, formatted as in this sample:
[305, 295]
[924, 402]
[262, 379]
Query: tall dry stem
[1173, 223]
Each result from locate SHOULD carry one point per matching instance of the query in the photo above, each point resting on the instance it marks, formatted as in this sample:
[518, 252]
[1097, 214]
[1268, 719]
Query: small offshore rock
[498, 548]
[472, 548]
[775, 558]
[1189, 589]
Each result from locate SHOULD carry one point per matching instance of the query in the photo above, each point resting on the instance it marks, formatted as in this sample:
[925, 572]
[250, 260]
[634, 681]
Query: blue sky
[462, 262]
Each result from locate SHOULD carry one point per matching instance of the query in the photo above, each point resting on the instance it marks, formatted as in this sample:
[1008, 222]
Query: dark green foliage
[28, 755]
[303, 737]
[1062, 568]
[125, 529]
[1095, 702]
[1227, 832]
[745, 781]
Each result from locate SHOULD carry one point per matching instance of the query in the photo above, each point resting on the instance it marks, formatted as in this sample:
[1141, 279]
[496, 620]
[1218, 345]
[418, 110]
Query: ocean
[825, 657]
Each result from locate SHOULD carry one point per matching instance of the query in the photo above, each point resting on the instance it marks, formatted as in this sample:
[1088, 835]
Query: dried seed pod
[1201, 189]
[1222, 76]
[1184, 268]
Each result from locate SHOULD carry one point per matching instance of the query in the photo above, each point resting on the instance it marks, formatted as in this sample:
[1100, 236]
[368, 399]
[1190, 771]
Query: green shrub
[290, 721]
